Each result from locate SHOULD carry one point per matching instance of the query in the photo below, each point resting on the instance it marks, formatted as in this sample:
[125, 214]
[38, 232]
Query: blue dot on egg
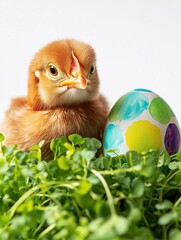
[142, 90]
[113, 137]
[134, 104]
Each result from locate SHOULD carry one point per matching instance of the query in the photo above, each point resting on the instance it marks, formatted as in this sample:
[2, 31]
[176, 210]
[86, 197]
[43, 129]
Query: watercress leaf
[41, 166]
[41, 143]
[178, 176]
[84, 187]
[105, 231]
[22, 156]
[91, 144]
[8, 150]
[167, 158]
[76, 139]
[33, 155]
[70, 149]
[102, 209]
[161, 160]
[147, 170]
[166, 204]
[57, 146]
[87, 155]
[175, 234]
[1, 137]
[34, 147]
[161, 177]
[138, 188]
[68, 145]
[3, 166]
[103, 234]
[121, 225]
[168, 218]
[178, 156]
[95, 224]
[26, 172]
[37, 147]
[143, 233]
[174, 165]
[27, 206]
[135, 215]
[4, 219]
[101, 163]
[63, 163]
[84, 200]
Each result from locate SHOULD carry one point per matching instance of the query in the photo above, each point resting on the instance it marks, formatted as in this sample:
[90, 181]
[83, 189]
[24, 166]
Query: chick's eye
[54, 73]
[92, 70]
[53, 70]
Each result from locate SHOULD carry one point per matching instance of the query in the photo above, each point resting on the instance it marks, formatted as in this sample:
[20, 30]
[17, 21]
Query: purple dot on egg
[172, 139]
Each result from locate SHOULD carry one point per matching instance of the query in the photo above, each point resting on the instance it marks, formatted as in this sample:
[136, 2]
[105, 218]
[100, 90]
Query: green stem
[173, 175]
[160, 196]
[107, 190]
[34, 189]
[164, 231]
[39, 156]
[122, 170]
[177, 202]
[85, 170]
[144, 219]
[38, 228]
[130, 159]
[47, 230]
[77, 209]
[21, 200]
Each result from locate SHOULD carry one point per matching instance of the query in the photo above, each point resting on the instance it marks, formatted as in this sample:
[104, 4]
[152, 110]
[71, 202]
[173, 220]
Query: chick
[63, 97]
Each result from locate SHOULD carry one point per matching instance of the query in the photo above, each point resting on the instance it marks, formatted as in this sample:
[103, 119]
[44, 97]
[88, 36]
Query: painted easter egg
[141, 120]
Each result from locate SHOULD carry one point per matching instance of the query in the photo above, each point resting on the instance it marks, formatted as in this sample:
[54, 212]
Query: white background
[138, 43]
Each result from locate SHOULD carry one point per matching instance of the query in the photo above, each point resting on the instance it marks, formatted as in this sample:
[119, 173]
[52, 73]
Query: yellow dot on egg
[142, 135]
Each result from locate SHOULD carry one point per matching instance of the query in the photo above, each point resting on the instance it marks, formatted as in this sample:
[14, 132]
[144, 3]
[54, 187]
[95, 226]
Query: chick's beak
[79, 82]
[77, 78]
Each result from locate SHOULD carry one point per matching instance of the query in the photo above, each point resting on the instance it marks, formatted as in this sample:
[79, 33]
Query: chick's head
[63, 73]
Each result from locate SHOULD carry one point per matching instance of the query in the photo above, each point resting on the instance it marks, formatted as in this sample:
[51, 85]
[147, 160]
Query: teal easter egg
[141, 120]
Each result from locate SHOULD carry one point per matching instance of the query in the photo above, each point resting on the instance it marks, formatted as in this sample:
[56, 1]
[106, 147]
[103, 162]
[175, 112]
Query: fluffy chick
[63, 97]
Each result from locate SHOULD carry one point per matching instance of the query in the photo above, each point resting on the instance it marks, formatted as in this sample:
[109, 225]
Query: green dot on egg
[114, 114]
[160, 110]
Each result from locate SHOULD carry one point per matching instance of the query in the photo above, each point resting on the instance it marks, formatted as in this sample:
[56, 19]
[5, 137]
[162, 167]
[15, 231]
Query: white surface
[138, 43]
